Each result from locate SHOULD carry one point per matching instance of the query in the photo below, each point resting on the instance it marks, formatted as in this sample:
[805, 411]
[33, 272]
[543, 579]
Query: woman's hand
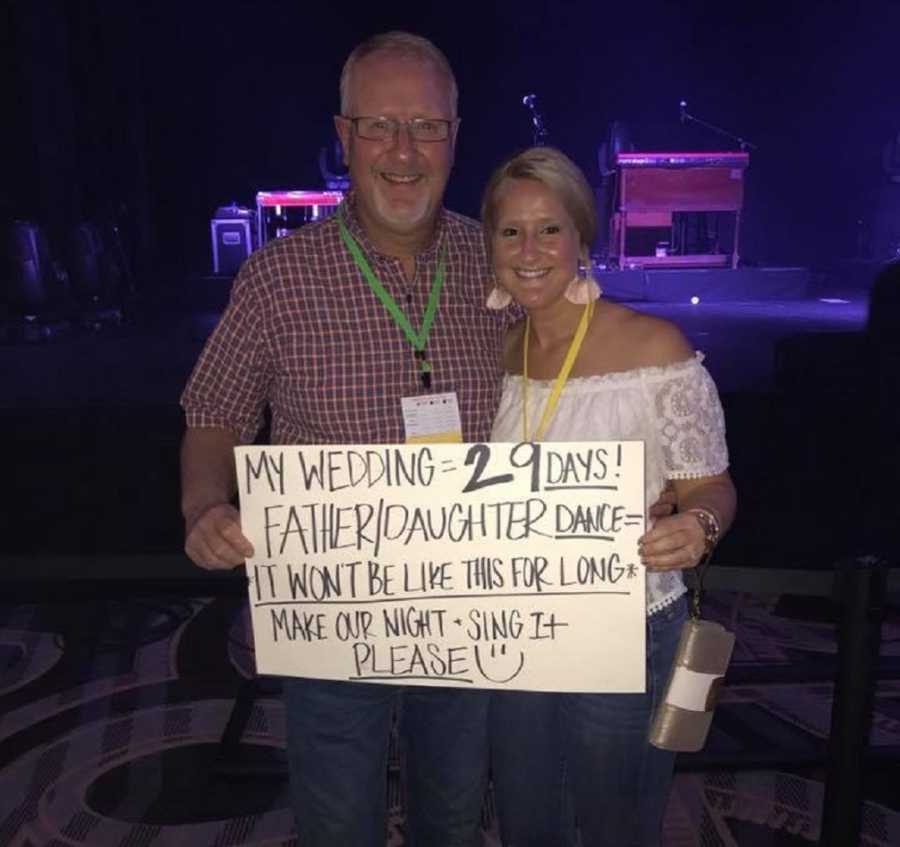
[666, 503]
[680, 541]
[674, 543]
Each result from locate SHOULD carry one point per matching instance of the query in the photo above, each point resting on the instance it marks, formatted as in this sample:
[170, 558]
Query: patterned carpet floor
[111, 715]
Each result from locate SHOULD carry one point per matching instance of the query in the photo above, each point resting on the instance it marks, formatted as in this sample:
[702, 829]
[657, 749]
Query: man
[308, 335]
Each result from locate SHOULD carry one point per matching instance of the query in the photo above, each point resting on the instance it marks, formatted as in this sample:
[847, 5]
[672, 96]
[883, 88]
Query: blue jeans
[554, 751]
[619, 782]
[444, 737]
[528, 770]
[337, 739]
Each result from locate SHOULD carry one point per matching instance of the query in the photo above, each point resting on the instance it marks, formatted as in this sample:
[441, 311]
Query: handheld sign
[473, 565]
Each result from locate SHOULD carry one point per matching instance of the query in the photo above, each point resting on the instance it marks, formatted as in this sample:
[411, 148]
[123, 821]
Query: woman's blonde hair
[560, 174]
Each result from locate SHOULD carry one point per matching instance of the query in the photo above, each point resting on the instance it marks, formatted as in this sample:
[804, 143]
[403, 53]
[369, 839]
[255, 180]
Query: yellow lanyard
[561, 377]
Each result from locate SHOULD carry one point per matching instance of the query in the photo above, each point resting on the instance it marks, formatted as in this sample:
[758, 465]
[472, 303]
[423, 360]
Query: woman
[634, 377]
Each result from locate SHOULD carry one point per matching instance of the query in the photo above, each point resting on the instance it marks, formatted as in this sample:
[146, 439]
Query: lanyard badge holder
[419, 339]
[429, 418]
[684, 716]
[561, 378]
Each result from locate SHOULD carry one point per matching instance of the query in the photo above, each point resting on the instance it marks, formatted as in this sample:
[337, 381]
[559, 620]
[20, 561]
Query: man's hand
[214, 539]
[666, 503]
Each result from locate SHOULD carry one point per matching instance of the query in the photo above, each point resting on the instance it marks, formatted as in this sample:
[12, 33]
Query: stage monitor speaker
[85, 254]
[231, 229]
[31, 285]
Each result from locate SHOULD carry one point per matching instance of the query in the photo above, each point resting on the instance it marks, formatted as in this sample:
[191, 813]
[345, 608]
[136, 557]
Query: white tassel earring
[583, 288]
[498, 298]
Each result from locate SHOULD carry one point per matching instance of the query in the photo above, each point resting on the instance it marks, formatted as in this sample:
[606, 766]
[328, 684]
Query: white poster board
[509, 566]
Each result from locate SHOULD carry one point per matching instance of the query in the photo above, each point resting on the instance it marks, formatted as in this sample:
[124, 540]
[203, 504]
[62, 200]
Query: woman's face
[535, 244]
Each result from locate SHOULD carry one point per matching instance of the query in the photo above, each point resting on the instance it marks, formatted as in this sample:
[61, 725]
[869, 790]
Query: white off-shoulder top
[674, 410]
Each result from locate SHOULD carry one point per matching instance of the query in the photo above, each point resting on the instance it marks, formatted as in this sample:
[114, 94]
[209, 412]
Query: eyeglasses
[386, 129]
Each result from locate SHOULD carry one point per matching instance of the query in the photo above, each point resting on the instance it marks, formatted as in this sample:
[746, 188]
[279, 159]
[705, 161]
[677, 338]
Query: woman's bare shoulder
[646, 339]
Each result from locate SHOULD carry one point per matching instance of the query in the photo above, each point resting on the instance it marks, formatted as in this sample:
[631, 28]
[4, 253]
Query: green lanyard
[561, 377]
[417, 339]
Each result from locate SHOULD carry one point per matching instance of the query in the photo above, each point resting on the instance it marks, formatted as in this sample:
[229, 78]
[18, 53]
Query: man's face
[399, 182]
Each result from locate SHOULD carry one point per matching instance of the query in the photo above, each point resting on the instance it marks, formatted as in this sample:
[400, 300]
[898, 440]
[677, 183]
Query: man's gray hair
[403, 44]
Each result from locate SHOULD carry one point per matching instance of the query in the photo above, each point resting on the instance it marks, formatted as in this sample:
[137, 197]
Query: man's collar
[351, 219]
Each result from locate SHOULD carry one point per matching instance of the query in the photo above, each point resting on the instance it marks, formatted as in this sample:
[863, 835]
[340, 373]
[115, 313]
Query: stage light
[695, 300]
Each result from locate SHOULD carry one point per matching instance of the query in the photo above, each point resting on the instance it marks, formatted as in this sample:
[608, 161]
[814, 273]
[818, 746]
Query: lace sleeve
[690, 422]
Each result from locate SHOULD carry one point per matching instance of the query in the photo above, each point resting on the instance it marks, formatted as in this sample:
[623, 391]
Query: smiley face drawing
[497, 665]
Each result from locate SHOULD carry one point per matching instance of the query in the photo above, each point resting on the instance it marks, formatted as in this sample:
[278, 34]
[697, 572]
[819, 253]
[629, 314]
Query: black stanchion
[236, 760]
[859, 592]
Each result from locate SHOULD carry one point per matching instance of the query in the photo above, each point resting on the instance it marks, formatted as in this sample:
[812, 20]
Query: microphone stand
[686, 116]
[540, 131]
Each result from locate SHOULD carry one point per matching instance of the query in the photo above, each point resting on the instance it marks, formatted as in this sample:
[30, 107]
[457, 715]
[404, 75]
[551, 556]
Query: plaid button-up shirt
[304, 334]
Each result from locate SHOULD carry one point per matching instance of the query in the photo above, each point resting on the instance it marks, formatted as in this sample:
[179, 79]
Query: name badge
[432, 418]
